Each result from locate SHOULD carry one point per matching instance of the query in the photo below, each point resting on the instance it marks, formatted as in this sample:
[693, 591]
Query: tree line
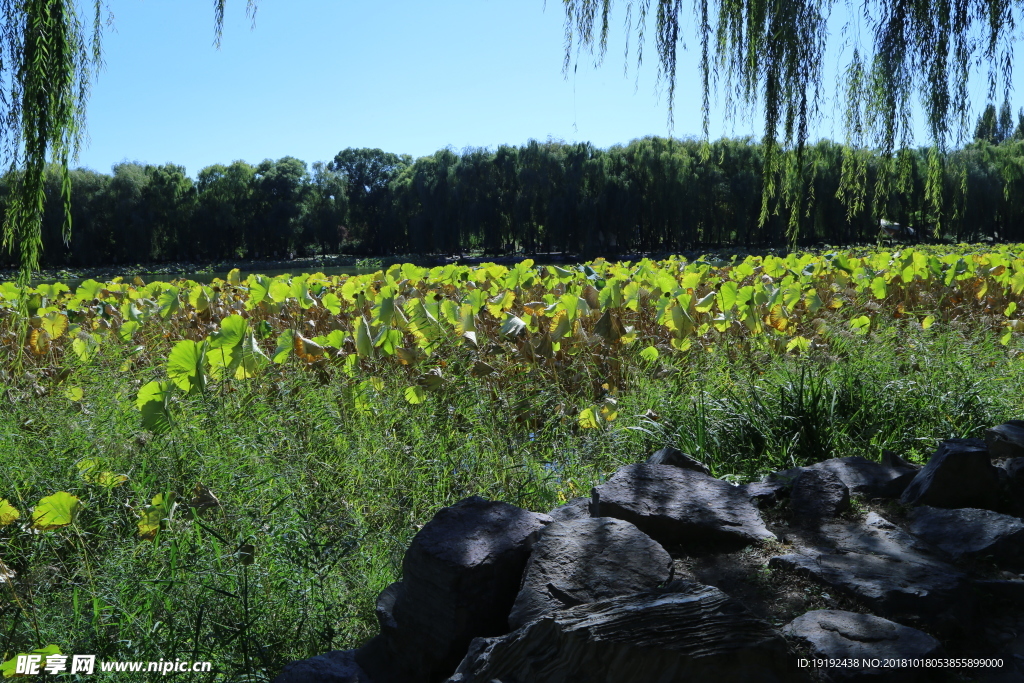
[652, 195]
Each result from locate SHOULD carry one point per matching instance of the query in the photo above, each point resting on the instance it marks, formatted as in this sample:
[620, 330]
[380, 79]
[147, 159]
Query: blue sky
[408, 76]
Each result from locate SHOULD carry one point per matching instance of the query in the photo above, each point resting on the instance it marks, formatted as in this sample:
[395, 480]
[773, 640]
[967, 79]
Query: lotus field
[576, 327]
[231, 471]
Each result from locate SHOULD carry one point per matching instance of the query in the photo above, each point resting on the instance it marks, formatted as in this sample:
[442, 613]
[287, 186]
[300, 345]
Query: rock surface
[817, 495]
[577, 508]
[885, 568]
[676, 506]
[693, 633]
[960, 474]
[460, 577]
[676, 458]
[587, 560]
[338, 666]
[971, 533]
[835, 634]
[1006, 440]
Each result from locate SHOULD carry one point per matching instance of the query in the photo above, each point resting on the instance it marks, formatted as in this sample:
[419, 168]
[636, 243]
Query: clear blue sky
[408, 76]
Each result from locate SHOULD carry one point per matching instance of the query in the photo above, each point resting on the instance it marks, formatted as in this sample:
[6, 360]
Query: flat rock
[861, 476]
[834, 634]
[338, 666]
[892, 572]
[971, 533]
[674, 506]
[577, 508]
[587, 560]
[959, 475]
[692, 633]
[1006, 440]
[460, 577]
[818, 494]
[676, 458]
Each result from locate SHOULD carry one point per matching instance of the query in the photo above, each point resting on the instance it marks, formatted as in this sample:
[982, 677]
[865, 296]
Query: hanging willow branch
[46, 70]
[771, 51]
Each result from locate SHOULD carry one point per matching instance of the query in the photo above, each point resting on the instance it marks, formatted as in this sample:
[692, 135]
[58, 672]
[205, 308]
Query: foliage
[770, 54]
[250, 513]
[653, 195]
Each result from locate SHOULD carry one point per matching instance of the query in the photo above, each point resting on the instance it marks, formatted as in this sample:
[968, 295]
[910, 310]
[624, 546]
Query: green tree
[368, 173]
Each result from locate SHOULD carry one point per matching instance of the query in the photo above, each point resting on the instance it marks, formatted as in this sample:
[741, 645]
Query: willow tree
[768, 54]
[47, 63]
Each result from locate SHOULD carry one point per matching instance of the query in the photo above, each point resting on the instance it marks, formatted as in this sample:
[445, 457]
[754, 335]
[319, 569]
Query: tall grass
[330, 497]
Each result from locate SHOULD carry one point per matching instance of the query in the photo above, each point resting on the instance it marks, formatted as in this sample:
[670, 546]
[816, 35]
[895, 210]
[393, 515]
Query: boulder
[766, 492]
[676, 458]
[887, 569]
[338, 666]
[870, 479]
[460, 577]
[687, 632]
[817, 495]
[971, 533]
[959, 475]
[834, 634]
[862, 477]
[577, 508]
[1006, 440]
[674, 506]
[587, 560]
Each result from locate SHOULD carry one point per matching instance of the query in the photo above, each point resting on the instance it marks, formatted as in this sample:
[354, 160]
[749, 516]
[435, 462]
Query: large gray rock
[577, 508]
[674, 506]
[834, 634]
[587, 560]
[959, 475]
[971, 533]
[886, 568]
[696, 633]
[676, 458]
[1006, 440]
[862, 477]
[870, 479]
[818, 495]
[338, 666]
[460, 577]
[766, 492]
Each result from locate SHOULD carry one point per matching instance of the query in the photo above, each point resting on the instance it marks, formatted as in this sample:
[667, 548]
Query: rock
[834, 634]
[577, 508]
[694, 633]
[1001, 591]
[460, 577]
[886, 568]
[766, 492]
[674, 505]
[587, 560]
[870, 479]
[959, 475]
[1015, 471]
[338, 666]
[862, 477]
[1006, 440]
[817, 495]
[676, 458]
[970, 533]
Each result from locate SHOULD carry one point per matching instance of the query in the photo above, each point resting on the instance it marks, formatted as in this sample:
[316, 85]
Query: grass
[330, 497]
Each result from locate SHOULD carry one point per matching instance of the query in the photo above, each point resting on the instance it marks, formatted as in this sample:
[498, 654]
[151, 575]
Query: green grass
[330, 498]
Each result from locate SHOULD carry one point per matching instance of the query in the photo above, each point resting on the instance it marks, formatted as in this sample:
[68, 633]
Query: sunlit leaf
[234, 277]
[186, 365]
[8, 513]
[588, 419]
[56, 511]
[153, 401]
[9, 668]
[415, 395]
[74, 393]
[155, 515]
[650, 354]
[55, 324]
